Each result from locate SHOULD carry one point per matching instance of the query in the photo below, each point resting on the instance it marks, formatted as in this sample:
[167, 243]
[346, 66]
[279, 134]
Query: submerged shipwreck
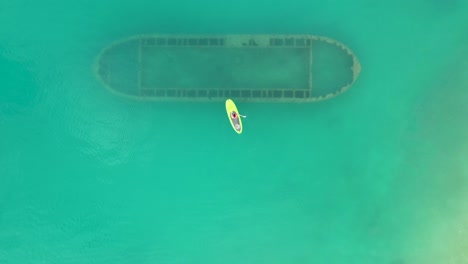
[258, 68]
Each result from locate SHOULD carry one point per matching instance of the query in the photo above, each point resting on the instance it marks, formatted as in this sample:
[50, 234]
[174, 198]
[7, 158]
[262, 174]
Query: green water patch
[18, 83]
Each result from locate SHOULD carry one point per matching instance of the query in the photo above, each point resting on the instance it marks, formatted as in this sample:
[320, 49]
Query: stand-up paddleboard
[234, 116]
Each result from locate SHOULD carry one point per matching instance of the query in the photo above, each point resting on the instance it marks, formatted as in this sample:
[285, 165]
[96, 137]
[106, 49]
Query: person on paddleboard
[234, 116]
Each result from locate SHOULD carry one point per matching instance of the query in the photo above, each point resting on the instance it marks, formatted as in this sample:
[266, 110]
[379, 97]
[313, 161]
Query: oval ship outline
[225, 41]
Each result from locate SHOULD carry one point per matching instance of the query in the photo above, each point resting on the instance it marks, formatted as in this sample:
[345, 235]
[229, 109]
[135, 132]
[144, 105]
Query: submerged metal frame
[240, 41]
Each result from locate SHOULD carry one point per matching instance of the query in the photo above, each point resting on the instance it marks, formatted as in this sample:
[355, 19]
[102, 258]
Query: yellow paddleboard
[234, 116]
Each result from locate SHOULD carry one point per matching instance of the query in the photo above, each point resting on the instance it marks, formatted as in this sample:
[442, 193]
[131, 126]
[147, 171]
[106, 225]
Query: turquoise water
[376, 175]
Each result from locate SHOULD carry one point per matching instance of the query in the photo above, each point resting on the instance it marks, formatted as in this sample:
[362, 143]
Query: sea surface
[376, 175]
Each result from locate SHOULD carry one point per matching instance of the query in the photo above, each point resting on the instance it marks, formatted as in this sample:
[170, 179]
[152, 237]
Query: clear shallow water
[376, 175]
